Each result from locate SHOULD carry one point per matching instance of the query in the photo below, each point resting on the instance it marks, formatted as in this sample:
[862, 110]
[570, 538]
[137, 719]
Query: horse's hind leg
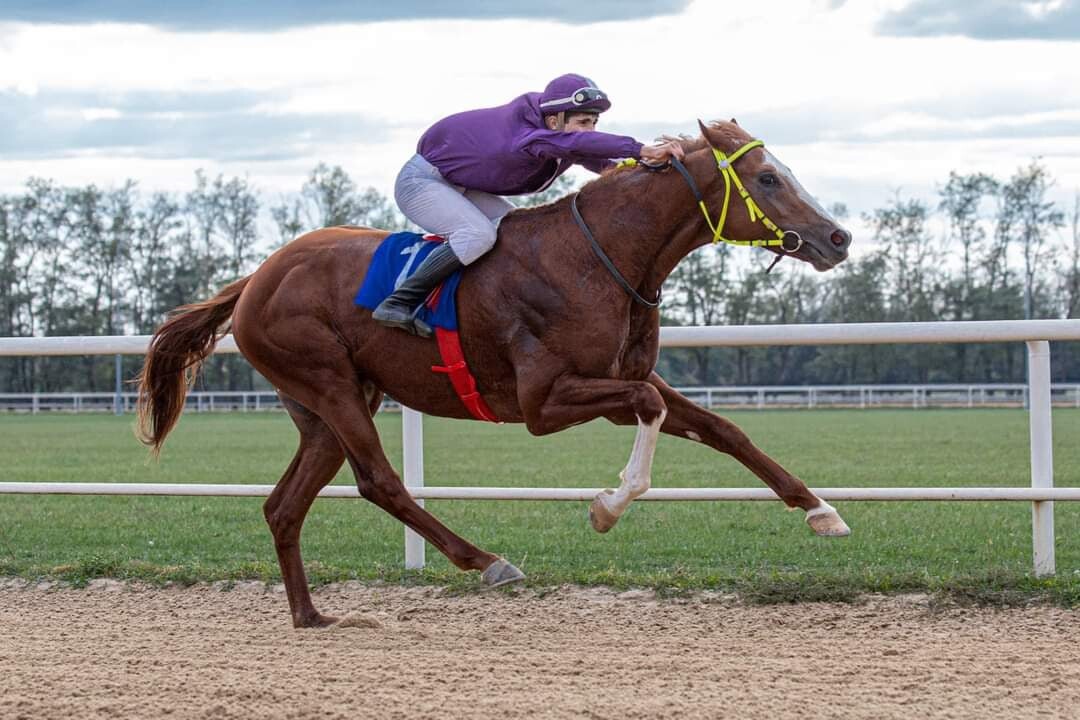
[316, 462]
[346, 406]
[378, 482]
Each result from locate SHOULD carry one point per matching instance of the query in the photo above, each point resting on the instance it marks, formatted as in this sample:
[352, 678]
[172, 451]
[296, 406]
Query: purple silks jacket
[506, 150]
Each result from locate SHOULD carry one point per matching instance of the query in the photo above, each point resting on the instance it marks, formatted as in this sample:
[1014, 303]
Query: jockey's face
[581, 122]
[573, 122]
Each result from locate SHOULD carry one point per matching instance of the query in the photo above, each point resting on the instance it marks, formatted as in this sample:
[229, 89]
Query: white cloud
[861, 114]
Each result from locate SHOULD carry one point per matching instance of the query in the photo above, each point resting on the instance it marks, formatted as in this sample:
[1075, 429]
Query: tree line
[88, 261]
[93, 261]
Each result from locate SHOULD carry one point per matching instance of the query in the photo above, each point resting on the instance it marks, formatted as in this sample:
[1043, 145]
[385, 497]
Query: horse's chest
[631, 357]
[636, 361]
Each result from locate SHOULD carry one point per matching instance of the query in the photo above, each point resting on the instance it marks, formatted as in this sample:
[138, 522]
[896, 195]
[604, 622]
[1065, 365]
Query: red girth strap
[460, 377]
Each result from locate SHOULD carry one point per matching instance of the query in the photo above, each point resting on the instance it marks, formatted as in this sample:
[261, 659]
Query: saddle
[395, 259]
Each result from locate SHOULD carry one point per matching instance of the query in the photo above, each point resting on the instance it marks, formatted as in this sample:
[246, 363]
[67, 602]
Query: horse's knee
[284, 524]
[539, 426]
[384, 491]
[649, 404]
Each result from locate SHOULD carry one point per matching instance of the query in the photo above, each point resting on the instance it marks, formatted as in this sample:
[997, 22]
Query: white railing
[748, 397]
[1035, 333]
[936, 395]
[199, 401]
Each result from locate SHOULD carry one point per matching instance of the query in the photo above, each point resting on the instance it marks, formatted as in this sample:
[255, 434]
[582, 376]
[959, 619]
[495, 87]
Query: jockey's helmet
[573, 93]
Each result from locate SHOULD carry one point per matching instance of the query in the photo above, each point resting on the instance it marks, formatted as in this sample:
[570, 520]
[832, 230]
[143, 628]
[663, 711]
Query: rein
[605, 259]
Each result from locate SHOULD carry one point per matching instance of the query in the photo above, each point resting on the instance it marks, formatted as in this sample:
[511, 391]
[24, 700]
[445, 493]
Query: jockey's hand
[660, 153]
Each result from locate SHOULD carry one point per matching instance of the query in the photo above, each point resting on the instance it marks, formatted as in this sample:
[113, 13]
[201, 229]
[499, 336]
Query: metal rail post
[118, 397]
[1042, 455]
[412, 447]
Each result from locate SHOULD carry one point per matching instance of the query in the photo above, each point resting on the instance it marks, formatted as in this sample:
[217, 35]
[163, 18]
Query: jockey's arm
[581, 147]
[595, 150]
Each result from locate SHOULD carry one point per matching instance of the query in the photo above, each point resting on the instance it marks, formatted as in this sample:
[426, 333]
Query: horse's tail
[176, 353]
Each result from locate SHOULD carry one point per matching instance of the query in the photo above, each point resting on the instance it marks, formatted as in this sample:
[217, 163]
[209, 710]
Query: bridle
[725, 164]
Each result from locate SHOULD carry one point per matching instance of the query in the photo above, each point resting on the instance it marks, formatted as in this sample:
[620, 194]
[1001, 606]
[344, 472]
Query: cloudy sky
[862, 98]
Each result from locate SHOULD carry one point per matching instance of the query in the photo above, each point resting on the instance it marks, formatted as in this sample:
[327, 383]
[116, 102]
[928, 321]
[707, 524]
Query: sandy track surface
[127, 651]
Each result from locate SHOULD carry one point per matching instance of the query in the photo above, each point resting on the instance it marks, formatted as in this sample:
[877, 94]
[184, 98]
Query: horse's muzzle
[825, 255]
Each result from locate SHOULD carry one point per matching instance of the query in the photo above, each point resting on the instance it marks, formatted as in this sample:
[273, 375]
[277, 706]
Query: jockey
[464, 163]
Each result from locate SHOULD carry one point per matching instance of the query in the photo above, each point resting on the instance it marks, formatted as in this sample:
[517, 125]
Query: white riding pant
[468, 219]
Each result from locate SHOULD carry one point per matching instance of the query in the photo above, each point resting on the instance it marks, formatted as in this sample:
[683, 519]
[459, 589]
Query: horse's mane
[726, 129]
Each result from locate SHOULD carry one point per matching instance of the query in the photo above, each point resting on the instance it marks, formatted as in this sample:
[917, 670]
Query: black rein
[606, 260]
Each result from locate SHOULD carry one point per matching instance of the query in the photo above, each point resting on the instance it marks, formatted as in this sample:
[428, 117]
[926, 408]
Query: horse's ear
[705, 133]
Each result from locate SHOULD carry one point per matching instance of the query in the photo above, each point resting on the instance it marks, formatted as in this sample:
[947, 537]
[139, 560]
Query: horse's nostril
[840, 238]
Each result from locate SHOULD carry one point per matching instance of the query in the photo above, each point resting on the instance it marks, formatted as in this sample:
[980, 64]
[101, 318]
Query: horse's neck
[653, 224]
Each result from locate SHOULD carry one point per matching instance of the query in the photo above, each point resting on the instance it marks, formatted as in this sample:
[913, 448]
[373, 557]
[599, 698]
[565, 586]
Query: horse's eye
[768, 179]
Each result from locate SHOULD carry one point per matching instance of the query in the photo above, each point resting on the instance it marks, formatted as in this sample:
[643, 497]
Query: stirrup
[402, 321]
[412, 324]
[419, 327]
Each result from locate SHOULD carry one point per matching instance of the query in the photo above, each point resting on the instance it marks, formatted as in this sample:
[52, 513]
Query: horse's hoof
[315, 621]
[501, 572]
[600, 517]
[826, 522]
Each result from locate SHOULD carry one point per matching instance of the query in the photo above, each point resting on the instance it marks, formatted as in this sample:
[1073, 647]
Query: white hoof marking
[825, 521]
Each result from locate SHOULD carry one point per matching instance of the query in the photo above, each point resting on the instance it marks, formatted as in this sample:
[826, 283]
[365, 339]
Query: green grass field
[978, 551]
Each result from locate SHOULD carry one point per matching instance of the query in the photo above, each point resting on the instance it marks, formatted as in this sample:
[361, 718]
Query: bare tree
[332, 194]
[1072, 270]
[287, 217]
[150, 259]
[961, 199]
[203, 253]
[238, 212]
[1032, 217]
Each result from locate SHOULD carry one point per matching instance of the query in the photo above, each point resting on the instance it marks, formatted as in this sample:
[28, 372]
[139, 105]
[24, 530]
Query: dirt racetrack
[115, 650]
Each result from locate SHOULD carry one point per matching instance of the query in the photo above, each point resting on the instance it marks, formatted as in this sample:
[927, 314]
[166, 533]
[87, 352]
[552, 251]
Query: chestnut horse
[554, 336]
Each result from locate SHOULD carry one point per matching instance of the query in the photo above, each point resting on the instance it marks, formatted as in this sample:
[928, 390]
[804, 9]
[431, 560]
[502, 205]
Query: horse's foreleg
[634, 480]
[316, 462]
[687, 420]
[573, 399]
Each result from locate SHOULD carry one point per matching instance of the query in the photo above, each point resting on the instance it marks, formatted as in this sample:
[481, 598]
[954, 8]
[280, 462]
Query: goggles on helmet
[584, 96]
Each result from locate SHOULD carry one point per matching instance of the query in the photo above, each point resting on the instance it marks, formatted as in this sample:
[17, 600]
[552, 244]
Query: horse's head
[755, 197]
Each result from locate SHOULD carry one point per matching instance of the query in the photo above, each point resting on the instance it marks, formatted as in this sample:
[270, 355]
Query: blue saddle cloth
[396, 258]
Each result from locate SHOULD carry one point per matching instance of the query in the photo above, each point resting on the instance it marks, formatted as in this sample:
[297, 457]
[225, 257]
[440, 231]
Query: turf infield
[976, 550]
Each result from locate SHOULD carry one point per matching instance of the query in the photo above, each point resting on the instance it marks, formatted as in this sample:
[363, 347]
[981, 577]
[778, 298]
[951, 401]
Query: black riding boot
[397, 310]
